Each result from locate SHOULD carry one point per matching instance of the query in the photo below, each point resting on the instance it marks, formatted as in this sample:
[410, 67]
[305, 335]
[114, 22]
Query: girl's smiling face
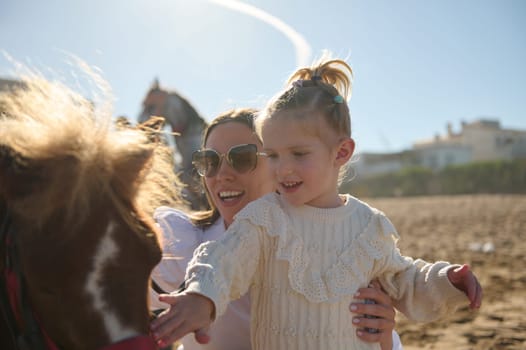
[302, 164]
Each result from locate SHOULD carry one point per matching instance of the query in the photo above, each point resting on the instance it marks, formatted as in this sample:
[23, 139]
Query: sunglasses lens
[206, 162]
[243, 158]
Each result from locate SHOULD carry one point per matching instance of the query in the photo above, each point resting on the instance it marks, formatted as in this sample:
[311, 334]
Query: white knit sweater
[304, 264]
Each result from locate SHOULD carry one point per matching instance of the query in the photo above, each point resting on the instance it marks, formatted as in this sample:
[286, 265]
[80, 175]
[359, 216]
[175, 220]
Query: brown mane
[46, 122]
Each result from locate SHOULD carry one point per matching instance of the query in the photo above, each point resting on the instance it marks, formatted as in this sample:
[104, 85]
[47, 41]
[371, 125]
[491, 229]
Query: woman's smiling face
[229, 190]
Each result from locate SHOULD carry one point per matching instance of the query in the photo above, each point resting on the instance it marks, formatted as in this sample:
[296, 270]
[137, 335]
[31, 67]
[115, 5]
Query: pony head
[80, 192]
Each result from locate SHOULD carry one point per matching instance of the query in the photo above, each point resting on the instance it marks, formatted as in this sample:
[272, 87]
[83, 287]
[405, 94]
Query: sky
[418, 65]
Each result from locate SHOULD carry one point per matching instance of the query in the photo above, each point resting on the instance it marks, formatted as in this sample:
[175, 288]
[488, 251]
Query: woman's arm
[383, 321]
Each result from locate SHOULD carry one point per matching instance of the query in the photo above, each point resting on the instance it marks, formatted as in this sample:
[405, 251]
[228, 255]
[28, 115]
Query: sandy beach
[489, 233]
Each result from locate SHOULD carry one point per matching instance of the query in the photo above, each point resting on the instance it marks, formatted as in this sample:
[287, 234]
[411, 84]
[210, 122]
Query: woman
[234, 174]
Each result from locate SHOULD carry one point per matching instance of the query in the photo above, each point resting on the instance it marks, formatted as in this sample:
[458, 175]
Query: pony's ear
[123, 123]
[154, 123]
[18, 177]
[128, 169]
[153, 128]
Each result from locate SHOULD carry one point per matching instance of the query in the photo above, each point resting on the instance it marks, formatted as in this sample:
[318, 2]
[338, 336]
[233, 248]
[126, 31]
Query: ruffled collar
[321, 214]
[376, 237]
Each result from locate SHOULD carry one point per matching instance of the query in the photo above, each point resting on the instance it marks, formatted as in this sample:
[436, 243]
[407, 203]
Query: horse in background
[187, 126]
[77, 238]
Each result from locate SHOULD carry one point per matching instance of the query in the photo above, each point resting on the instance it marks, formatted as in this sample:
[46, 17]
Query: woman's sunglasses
[241, 158]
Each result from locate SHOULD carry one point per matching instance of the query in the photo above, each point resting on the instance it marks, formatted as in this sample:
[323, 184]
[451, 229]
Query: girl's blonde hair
[321, 89]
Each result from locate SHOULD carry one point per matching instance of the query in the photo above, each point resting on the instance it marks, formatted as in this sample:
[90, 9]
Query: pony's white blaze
[105, 253]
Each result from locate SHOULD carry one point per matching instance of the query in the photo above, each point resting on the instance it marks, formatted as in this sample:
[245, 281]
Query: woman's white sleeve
[178, 242]
[397, 343]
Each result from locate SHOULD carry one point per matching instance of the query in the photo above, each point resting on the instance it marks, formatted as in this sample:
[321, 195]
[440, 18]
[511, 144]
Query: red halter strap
[25, 329]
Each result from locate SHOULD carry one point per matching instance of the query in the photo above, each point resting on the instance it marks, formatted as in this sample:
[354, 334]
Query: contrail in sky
[302, 47]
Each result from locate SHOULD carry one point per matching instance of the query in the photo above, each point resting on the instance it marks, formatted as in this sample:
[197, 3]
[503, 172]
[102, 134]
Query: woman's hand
[383, 312]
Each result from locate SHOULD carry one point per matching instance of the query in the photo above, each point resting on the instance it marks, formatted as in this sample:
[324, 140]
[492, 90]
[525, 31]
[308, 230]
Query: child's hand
[463, 279]
[188, 312]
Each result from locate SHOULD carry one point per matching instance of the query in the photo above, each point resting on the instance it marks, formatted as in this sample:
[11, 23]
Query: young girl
[306, 251]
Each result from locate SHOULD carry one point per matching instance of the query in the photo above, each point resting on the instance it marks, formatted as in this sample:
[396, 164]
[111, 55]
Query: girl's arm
[421, 290]
[223, 270]
[219, 272]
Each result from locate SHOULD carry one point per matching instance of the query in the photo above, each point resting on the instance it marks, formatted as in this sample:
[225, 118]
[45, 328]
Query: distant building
[481, 140]
[370, 164]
